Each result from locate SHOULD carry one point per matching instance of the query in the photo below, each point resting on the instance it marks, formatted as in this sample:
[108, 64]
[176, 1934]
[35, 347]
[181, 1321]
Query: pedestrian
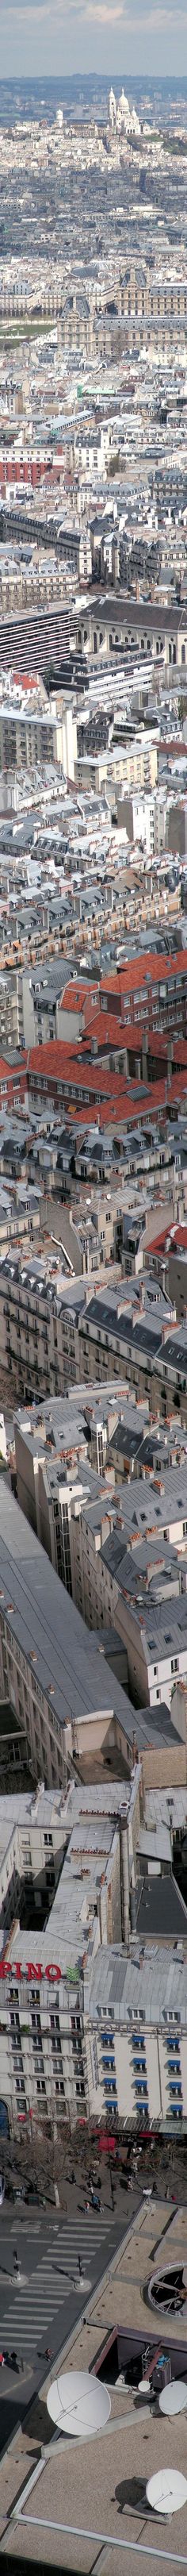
[47, 2352]
[79, 2267]
[2, 2360]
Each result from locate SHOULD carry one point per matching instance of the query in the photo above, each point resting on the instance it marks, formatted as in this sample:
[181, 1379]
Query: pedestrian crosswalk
[32, 2310]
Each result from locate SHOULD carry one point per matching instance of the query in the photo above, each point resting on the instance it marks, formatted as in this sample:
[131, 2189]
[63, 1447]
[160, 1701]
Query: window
[141, 2086]
[109, 2061]
[173, 2044]
[108, 2038]
[171, 2016]
[109, 2086]
[177, 2090]
[137, 2041]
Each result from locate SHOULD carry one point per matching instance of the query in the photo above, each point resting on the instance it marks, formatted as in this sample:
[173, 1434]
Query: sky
[60, 36]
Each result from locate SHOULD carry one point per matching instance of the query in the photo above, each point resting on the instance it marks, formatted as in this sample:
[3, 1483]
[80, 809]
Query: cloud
[146, 32]
[106, 13]
[97, 10]
[146, 19]
[23, 10]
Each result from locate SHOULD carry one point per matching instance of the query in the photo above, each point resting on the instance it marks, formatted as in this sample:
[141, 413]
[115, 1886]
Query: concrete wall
[55, 1220]
[27, 1478]
[177, 1280]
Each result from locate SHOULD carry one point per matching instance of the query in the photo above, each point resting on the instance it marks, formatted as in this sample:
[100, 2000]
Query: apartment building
[144, 817]
[135, 2030]
[38, 1325]
[30, 738]
[72, 1429]
[152, 986]
[35, 638]
[50, 1494]
[150, 991]
[105, 1327]
[152, 1357]
[93, 2017]
[122, 1557]
[119, 1585]
[156, 1645]
[49, 1849]
[11, 1006]
[55, 1333]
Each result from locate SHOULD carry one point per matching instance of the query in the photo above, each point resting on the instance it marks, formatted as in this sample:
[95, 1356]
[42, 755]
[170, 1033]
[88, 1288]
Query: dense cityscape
[93, 1320]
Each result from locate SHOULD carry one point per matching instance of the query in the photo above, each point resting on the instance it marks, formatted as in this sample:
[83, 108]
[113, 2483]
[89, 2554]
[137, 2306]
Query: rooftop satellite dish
[174, 2397]
[78, 2403]
[167, 2491]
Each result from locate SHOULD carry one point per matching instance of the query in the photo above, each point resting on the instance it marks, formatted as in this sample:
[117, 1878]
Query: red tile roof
[152, 968]
[55, 1064]
[73, 997]
[106, 1028]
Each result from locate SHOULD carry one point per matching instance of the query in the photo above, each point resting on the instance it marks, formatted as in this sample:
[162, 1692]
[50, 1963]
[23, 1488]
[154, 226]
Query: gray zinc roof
[151, 1986]
[48, 1627]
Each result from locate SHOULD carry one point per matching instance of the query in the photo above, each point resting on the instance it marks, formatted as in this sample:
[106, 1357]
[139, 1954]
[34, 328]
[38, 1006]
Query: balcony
[108, 2064]
[142, 2090]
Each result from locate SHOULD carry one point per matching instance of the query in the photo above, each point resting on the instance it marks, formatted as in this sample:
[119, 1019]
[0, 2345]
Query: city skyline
[40, 36]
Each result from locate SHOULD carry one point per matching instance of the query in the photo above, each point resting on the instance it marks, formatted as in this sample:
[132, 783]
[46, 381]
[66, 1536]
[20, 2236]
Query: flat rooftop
[87, 2507]
[48, 1628]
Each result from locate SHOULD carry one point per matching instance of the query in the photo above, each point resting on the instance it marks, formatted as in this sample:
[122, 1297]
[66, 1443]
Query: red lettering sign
[33, 1971]
[52, 1973]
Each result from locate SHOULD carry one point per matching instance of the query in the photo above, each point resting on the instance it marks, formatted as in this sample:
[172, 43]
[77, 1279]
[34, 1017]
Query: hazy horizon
[38, 37]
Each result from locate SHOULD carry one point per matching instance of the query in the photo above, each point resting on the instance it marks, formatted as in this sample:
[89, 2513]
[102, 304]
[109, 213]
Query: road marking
[30, 2311]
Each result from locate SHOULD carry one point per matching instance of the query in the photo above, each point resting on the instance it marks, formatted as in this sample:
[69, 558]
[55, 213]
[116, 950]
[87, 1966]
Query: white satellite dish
[78, 2403]
[167, 2491]
[173, 2397]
